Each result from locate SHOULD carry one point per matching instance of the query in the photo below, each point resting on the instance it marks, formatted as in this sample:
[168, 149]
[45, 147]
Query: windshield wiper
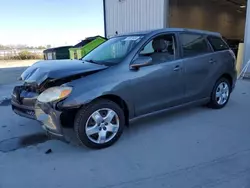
[95, 62]
[91, 61]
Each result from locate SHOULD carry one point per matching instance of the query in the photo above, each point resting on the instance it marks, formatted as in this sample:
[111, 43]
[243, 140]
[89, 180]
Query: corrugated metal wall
[207, 15]
[126, 16]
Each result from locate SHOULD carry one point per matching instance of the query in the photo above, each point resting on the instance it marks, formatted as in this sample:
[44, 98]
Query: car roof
[172, 30]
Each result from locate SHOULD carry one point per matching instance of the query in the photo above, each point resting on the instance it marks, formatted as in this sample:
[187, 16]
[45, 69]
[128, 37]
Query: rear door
[198, 63]
[226, 59]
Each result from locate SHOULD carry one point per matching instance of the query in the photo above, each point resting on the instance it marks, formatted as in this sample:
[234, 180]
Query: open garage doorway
[227, 17]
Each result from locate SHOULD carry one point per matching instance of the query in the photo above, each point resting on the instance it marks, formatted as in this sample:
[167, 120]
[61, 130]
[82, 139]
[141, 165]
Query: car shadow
[164, 118]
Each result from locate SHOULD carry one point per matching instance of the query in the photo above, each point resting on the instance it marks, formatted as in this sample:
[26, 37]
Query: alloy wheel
[222, 93]
[102, 125]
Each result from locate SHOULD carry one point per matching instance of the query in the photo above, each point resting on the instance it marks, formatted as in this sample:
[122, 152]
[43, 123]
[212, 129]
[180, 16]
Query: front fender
[81, 97]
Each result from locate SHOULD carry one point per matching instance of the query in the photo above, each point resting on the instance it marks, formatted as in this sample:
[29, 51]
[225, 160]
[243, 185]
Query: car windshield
[113, 51]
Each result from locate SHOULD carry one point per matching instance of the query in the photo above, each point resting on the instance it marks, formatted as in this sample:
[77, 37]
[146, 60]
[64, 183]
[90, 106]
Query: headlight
[54, 93]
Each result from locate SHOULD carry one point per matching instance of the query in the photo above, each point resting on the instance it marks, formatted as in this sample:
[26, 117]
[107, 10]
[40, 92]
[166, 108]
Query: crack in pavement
[184, 172]
[232, 176]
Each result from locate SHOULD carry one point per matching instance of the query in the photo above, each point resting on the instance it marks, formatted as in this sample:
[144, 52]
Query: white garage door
[124, 16]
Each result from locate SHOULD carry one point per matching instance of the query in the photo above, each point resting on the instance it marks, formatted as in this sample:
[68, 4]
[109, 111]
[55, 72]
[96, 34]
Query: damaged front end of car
[42, 76]
[24, 97]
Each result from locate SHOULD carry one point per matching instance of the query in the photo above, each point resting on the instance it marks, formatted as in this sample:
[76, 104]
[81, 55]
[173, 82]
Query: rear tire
[98, 130]
[220, 94]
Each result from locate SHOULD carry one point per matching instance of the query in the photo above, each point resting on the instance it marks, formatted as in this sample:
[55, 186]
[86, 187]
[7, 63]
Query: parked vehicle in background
[127, 77]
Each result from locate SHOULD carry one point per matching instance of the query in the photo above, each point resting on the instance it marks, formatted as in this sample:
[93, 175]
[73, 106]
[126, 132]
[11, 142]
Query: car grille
[30, 113]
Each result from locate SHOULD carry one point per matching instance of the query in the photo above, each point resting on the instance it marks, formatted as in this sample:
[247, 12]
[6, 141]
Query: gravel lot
[193, 147]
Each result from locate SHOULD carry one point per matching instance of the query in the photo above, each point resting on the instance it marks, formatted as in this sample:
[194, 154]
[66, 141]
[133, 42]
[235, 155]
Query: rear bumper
[49, 118]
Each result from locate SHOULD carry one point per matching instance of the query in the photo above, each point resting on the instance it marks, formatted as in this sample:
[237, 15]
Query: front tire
[99, 124]
[220, 94]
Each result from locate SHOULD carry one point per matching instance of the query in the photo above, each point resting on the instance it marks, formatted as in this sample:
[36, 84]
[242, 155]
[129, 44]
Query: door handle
[212, 61]
[177, 68]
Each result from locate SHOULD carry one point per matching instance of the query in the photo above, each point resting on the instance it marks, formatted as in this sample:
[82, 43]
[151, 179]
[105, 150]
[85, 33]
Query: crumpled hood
[56, 69]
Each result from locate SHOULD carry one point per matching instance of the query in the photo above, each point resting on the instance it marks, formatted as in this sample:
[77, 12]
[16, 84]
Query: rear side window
[218, 44]
[194, 44]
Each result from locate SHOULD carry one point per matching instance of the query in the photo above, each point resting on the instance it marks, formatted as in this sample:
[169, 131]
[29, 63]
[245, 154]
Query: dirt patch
[13, 144]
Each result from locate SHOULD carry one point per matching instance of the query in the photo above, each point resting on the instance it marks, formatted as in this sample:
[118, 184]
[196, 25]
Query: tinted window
[161, 49]
[193, 45]
[217, 43]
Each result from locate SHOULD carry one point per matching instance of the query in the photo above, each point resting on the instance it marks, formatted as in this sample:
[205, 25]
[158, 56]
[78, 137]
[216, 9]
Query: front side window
[161, 49]
[193, 45]
[218, 44]
[113, 51]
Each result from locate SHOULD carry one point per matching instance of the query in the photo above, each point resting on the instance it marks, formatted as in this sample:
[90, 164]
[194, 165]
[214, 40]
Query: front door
[159, 85]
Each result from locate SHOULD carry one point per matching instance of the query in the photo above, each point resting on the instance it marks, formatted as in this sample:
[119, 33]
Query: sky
[54, 22]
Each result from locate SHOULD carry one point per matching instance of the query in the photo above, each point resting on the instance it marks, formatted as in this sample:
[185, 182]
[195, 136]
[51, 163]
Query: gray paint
[141, 89]
[207, 15]
[145, 90]
[43, 70]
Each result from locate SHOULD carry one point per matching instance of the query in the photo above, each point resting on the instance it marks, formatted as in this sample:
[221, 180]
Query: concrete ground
[191, 148]
[11, 70]
[16, 63]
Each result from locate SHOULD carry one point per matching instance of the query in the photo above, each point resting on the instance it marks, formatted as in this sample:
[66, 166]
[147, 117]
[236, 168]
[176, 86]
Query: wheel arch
[212, 103]
[120, 102]
[228, 77]
[224, 75]
[69, 115]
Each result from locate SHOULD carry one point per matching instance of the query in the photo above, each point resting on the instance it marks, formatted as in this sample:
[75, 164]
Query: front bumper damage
[22, 110]
[49, 118]
[24, 103]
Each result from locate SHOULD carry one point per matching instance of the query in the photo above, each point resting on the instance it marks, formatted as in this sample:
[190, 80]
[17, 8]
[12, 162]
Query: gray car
[127, 77]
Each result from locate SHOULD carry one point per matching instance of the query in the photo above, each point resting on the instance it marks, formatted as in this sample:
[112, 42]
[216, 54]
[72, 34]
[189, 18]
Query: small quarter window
[218, 44]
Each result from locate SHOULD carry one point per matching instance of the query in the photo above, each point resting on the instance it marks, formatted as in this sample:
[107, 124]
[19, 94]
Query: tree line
[20, 46]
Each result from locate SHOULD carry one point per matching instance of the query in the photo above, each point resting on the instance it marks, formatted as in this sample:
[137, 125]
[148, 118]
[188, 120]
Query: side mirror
[142, 61]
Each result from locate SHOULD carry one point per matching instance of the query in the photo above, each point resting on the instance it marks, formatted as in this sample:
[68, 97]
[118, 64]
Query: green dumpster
[61, 52]
[84, 47]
